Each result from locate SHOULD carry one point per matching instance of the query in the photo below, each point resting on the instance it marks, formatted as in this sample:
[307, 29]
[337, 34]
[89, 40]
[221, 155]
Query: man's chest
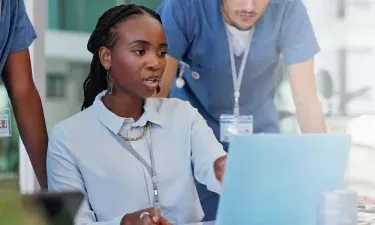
[210, 59]
[208, 50]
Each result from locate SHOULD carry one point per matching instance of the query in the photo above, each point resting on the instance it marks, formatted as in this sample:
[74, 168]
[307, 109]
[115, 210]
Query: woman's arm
[205, 151]
[64, 175]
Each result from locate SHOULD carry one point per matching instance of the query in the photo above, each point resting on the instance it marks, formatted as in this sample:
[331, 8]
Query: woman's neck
[124, 105]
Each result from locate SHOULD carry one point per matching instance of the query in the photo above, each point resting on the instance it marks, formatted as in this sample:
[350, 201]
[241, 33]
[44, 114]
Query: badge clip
[5, 123]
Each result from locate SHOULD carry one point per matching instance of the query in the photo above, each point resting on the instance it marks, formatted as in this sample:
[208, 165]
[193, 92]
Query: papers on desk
[366, 211]
[366, 218]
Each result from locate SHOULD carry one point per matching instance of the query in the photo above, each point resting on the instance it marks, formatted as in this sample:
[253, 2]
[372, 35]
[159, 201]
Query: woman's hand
[150, 216]
[219, 167]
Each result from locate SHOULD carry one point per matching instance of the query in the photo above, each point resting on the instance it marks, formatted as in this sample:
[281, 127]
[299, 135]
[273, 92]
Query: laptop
[57, 208]
[276, 179]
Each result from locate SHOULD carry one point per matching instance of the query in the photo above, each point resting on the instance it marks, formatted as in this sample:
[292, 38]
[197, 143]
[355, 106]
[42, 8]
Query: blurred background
[344, 70]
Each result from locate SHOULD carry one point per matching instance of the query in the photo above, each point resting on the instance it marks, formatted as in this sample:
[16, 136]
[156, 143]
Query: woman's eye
[140, 52]
[162, 53]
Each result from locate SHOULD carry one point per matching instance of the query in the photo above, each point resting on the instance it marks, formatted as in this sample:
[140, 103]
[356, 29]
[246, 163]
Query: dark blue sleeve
[24, 34]
[177, 17]
[298, 41]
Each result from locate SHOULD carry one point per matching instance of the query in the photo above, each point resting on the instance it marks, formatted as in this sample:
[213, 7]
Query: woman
[130, 154]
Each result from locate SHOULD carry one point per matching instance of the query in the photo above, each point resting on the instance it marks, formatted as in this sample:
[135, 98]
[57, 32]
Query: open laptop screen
[277, 178]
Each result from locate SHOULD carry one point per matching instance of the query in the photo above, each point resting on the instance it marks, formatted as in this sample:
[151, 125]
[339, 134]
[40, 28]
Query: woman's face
[137, 59]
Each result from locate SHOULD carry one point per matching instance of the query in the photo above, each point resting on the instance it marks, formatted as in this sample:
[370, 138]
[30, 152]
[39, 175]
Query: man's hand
[150, 216]
[219, 167]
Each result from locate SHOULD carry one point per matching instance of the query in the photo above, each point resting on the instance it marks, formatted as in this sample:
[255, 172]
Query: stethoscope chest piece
[180, 83]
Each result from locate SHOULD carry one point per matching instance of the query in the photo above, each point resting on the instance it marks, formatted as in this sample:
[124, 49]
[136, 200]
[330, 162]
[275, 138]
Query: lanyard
[151, 169]
[237, 78]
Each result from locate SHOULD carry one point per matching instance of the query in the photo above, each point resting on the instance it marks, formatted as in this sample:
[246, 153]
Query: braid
[104, 35]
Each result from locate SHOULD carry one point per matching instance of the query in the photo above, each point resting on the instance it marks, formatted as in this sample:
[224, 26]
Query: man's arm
[299, 46]
[27, 107]
[308, 108]
[178, 22]
[168, 77]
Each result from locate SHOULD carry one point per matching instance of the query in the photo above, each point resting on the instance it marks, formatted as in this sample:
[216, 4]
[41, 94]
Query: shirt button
[195, 75]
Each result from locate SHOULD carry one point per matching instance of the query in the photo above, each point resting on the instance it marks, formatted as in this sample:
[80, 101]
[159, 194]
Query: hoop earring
[158, 89]
[109, 83]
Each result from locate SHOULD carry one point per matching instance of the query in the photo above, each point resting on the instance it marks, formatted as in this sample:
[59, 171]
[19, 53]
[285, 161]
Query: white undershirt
[239, 38]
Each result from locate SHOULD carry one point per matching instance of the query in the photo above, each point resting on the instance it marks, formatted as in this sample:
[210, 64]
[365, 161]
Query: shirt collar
[115, 123]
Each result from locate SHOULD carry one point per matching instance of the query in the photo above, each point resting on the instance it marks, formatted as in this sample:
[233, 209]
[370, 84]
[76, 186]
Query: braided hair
[104, 35]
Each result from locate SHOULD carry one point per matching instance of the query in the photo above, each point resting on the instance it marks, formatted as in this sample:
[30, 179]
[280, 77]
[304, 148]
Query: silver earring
[109, 83]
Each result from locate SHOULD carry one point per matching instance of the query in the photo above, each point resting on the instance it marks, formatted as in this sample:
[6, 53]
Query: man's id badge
[231, 125]
[5, 129]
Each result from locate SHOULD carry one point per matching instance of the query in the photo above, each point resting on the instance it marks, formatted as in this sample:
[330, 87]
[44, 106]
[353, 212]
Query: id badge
[5, 126]
[231, 125]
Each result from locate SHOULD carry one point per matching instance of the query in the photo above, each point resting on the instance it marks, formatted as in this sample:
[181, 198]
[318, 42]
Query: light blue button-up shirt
[83, 154]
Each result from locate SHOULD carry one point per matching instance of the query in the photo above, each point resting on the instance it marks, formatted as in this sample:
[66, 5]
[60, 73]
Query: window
[152, 4]
[76, 15]
[56, 86]
[82, 15]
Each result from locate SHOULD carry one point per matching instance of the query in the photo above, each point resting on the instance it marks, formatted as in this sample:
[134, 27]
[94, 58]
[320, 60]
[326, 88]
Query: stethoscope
[180, 82]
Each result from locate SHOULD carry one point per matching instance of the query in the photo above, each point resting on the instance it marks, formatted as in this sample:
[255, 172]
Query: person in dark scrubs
[16, 36]
[223, 56]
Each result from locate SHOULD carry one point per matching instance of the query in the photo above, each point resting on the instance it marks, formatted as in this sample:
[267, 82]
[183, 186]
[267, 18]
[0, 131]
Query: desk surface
[202, 223]
[212, 223]
[363, 219]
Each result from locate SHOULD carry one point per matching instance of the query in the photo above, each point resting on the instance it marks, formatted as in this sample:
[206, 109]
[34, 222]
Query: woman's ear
[105, 57]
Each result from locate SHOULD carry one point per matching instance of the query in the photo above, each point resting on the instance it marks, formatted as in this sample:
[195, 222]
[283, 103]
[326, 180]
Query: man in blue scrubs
[217, 37]
[16, 35]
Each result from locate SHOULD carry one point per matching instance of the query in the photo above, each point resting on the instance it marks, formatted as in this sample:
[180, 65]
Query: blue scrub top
[16, 30]
[196, 35]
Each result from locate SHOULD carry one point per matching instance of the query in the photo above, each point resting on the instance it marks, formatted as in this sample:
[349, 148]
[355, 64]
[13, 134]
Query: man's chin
[249, 25]
[244, 27]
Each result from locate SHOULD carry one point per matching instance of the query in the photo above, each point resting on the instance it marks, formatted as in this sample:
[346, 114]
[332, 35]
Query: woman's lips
[151, 83]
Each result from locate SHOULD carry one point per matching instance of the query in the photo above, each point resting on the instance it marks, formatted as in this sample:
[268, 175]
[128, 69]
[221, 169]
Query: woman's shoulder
[172, 109]
[173, 105]
[76, 124]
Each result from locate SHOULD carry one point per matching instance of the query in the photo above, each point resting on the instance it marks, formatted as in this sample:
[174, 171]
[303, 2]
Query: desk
[363, 219]
[213, 223]
[202, 223]
[369, 221]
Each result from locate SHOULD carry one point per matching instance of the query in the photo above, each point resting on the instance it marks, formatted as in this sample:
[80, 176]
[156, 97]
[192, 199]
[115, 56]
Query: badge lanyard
[151, 169]
[237, 78]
